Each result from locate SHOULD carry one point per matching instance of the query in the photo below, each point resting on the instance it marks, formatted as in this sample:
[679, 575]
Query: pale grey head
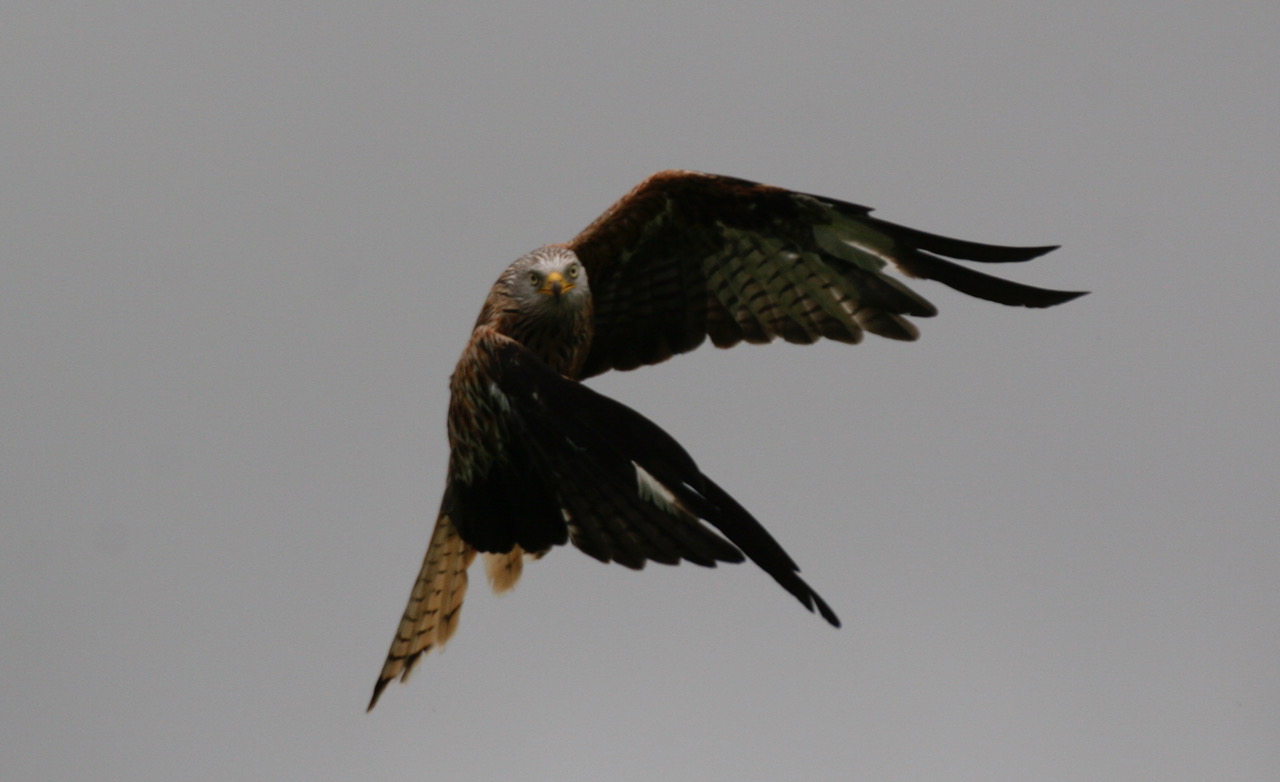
[543, 301]
[550, 281]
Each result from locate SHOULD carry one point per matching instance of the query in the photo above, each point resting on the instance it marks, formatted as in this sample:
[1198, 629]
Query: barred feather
[431, 617]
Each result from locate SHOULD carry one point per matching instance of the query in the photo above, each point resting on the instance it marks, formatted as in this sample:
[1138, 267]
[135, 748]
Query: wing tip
[819, 606]
[809, 598]
[1008, 253]
[1047, 297]
[963, 249]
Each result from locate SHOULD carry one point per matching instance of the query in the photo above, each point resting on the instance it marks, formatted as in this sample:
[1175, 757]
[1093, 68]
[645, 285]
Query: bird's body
[521, 308]
[538, 459]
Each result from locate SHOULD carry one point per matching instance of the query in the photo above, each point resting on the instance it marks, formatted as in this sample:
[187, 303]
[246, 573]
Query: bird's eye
[533, 278]
[573, 271]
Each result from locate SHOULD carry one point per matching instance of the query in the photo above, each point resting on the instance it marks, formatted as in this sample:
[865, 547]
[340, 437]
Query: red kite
[538, 459]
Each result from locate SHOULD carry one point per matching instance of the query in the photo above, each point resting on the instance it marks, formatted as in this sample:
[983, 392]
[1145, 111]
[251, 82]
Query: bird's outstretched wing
[687, 255]
[621, 488]
[432, 613]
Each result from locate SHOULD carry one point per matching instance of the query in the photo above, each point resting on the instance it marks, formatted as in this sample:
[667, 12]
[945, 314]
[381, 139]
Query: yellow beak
[555, 284]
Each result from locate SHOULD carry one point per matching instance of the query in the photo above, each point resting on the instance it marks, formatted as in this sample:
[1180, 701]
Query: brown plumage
[538, 459]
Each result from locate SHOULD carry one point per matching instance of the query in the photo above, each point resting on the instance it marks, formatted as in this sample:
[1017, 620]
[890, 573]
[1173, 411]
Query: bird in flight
[538, 459]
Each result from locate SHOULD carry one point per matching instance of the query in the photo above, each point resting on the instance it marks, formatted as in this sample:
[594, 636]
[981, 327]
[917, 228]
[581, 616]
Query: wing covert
[629, 491]
[687, 255]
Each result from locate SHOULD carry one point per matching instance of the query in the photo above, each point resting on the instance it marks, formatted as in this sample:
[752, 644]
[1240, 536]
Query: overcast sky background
[242, 244]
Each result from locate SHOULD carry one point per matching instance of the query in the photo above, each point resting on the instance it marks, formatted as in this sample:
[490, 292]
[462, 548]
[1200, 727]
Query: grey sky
[240, 249]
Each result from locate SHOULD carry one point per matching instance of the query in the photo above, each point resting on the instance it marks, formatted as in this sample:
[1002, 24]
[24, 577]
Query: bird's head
[548, 280]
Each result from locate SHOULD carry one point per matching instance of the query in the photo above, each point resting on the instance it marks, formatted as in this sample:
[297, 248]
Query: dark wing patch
[630, 492]
[507, 505]
[687, 255]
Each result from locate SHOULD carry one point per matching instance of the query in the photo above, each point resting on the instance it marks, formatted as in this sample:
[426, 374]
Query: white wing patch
[852, 248]
[496, 395]
[651, 489]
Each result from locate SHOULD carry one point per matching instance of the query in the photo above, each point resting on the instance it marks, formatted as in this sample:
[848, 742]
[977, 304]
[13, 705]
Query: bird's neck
[561, 339]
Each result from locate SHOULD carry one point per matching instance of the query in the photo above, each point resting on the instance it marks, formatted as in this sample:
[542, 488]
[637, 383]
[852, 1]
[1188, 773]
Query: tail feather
[431, 616]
